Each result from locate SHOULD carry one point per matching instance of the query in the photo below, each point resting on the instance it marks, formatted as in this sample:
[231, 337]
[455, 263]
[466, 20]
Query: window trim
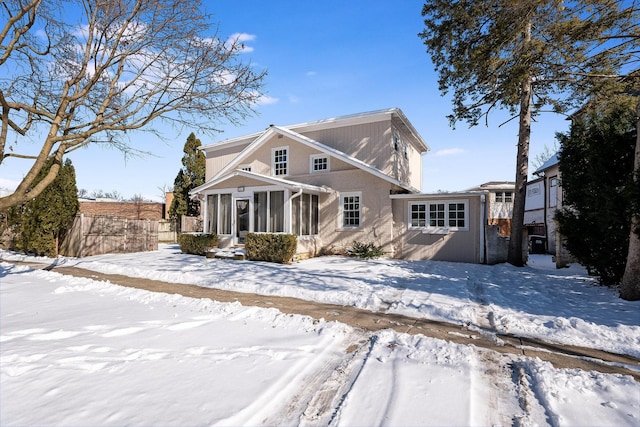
[504, 195]
[440, 230]
[273, 161]
[342, 225]
[312, 159]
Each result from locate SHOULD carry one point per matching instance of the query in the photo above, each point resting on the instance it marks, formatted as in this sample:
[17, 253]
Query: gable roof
[553, 160]
[276, 130]
[292, 185]
[334, 122]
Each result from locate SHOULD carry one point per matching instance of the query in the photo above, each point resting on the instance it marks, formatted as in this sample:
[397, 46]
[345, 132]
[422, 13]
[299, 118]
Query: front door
[242, 219]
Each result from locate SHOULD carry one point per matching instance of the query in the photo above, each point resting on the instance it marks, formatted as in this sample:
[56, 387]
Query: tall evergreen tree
[42, 223]
[525, 56]
[600, 195]
[190, 176]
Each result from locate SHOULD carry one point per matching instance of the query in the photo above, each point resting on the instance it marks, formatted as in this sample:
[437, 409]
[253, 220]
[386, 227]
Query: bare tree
[122, 66]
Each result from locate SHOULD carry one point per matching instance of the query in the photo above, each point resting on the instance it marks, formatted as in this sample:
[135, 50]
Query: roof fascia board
[438, 195]
[263, 178]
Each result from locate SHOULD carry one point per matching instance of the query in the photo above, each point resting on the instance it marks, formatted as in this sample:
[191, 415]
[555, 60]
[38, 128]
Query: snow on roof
[553, 160]
[494, 185]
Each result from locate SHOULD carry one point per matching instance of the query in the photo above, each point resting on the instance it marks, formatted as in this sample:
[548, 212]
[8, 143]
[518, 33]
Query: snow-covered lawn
[80, 352]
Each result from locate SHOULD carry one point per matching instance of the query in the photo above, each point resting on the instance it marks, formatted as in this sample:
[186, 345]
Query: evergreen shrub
[270, 247]
[197, 244]
[365, 250]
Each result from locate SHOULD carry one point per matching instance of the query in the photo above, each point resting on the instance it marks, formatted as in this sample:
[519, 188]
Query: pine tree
[190, 176]
[526, 56]
[596, 162]
[42, 223]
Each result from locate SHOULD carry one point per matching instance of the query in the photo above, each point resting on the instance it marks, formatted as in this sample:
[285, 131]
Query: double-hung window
[351, 209]
[319, 163]
[451, 215]
[280, 161]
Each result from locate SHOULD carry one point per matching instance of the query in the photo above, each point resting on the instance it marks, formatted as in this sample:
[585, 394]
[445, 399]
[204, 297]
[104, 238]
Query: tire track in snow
[530, 400]
[494, 395]
[287, 399]
[324, 407]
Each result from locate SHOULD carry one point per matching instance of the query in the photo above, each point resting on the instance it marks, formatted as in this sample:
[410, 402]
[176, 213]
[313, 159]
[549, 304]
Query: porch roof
[265, 179]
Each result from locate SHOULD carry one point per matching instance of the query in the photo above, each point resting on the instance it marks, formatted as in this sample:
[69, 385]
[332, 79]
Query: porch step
[238, 254]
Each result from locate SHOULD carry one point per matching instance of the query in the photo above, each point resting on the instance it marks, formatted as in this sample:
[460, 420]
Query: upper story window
[396, 142]
[319, 163]
[280, 161]
[504, 196]
[553, 191]
[452, 215]
[351, 209]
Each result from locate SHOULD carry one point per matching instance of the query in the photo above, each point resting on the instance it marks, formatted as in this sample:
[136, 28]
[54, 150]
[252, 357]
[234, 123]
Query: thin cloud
[448, 152]
[240, 41]
[267, 100]
[311, 73]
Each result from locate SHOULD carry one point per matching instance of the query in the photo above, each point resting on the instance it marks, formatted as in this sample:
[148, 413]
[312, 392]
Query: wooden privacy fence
[102, 234]
[167, 232]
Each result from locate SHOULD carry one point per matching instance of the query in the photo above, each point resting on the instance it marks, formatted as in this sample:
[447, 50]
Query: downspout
[483, 207]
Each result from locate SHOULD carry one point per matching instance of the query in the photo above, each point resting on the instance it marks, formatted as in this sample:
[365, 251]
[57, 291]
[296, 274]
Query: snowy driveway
[80, 352]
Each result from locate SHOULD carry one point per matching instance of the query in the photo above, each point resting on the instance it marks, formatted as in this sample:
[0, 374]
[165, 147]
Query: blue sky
[327, 59]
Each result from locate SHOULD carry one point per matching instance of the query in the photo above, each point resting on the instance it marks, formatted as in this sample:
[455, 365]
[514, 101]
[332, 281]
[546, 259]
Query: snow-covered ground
[80, 352]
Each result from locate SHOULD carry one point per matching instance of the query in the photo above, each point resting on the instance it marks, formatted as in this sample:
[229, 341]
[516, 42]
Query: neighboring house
[336, 181]
[499, 204]
[544, 197]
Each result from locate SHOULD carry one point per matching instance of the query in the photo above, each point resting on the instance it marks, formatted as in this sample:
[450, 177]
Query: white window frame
[274, 150]
[429, 228]
[341, 216]
[426, 216]
[312, 164]
[553, 191]
[502, 196]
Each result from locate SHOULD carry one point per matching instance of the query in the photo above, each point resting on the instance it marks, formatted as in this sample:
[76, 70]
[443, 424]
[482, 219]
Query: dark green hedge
[270, 247]
[197, 244]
